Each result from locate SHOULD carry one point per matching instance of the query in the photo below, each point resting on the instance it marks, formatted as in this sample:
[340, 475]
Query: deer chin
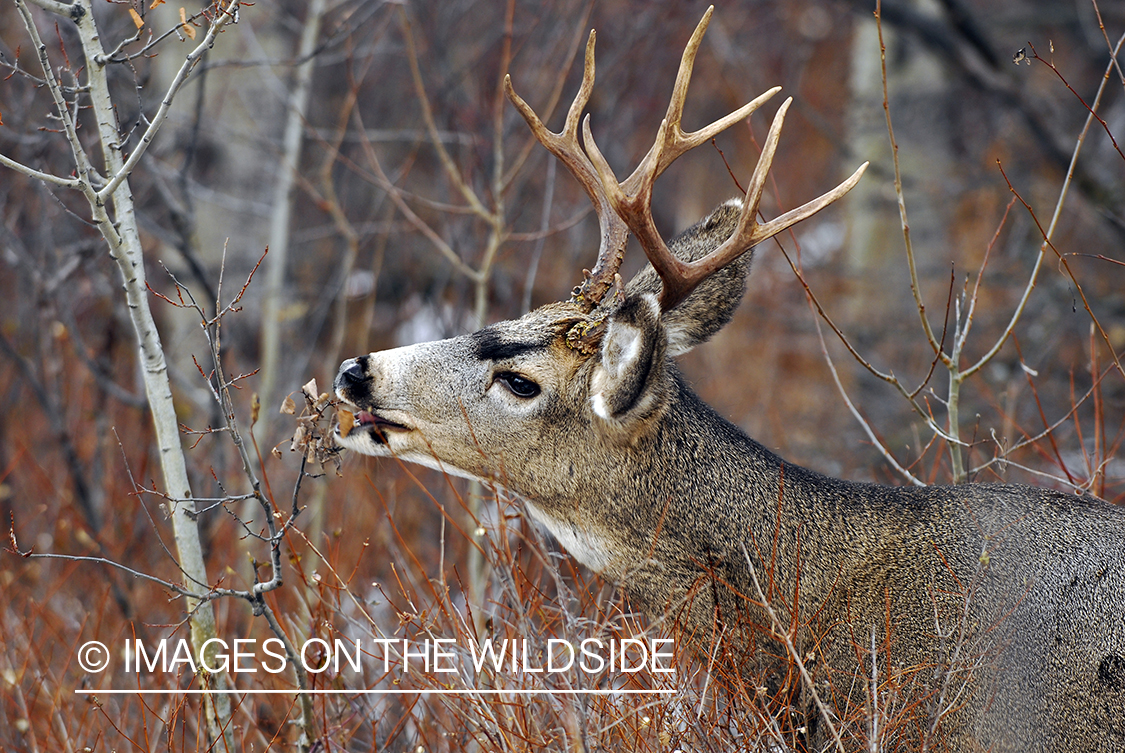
[378, 436]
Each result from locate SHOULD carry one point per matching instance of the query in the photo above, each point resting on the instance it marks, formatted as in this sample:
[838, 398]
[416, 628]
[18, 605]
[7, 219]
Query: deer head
[548, 403]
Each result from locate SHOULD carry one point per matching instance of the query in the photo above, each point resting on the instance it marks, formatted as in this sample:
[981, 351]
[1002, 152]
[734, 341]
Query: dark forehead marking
[490, 345]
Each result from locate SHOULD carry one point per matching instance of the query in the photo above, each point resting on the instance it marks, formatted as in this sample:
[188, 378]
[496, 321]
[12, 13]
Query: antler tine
[671, 140]
[565, 146]
[636, 209]
[749, 233]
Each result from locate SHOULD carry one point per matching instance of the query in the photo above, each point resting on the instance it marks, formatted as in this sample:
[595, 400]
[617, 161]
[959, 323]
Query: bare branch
[135, 573]
[398, 197]
[85, 169]
[915, 288]
[225, 16]
[1050, 231]
[878, 443]
[447, 163]
[31, 172]
[72, 11]
[779, 631]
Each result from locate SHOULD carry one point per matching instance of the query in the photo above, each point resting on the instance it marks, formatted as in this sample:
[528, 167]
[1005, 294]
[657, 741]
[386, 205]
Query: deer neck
[694, 486]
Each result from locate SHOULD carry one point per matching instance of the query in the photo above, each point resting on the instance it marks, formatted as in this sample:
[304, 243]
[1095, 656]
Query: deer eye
[520, 386]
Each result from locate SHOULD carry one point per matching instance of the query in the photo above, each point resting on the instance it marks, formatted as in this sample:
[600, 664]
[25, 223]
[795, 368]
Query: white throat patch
[585, 546]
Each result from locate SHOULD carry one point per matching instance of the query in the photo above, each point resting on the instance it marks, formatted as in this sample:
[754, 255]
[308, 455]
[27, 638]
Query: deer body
[997, 611]
[1010, 598]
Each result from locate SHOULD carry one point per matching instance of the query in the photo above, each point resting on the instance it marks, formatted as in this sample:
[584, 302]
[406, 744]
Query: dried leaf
[187, 28]
[310, 390]
[255, 408]
[155, 3]
[311, 437]
[137, 20]
[276, 453]
[347, 421]
[299, 438]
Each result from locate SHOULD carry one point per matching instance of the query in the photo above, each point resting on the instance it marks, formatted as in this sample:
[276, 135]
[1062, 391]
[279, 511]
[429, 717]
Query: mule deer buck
[1003, 606]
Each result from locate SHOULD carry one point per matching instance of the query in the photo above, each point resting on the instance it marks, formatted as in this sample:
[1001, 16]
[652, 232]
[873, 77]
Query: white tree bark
[111, 189]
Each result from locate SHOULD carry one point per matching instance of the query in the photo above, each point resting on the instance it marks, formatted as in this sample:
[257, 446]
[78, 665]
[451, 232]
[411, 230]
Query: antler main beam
[680, 277]
[565, 146]
[627, 207]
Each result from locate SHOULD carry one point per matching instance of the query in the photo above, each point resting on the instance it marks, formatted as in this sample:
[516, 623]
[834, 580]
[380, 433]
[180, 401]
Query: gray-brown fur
[1028, 584]
[712, 305]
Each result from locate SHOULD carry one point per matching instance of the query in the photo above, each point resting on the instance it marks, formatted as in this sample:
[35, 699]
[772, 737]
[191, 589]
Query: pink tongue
[363, 417]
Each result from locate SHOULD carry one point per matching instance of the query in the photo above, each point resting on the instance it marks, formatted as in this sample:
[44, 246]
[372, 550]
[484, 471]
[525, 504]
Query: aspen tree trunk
[111, 206]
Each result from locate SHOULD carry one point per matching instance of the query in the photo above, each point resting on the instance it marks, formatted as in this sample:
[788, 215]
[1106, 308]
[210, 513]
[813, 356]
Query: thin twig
[780, 632]
[1049, 232]
[38, 175]
[915, 287]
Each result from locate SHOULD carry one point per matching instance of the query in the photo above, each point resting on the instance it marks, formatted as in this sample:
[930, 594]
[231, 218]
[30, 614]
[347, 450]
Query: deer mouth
[375, 425]
[366, 420]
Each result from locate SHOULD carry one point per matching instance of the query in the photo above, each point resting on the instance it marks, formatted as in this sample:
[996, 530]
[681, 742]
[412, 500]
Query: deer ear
[630, 382]
[710, 306]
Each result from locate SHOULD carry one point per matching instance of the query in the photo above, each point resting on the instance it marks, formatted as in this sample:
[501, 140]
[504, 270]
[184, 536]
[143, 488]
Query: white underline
[298, 691]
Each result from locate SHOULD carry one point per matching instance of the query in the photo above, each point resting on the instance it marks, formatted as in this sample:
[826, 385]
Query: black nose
[351, 373]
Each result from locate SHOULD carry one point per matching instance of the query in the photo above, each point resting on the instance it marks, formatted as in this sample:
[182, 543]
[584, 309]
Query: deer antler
[566, 147]
[633, 202]
[627, 206]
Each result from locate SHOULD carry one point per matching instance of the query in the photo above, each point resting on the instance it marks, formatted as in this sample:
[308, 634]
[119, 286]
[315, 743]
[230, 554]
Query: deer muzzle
[355, 386]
